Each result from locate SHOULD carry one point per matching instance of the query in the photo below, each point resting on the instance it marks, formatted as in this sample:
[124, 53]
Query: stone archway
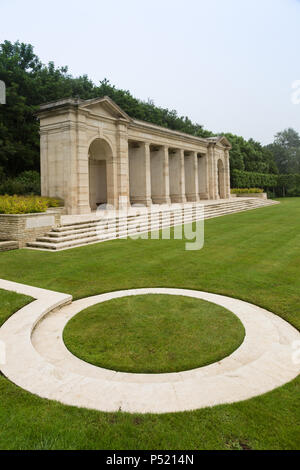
[100, 159]
[221, 179]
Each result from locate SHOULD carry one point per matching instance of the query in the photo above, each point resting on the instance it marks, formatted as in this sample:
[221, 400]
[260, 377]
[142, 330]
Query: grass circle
[153, 334]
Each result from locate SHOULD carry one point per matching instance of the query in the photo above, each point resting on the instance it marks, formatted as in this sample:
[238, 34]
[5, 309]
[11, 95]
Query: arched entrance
[221, 179]
[100, 157]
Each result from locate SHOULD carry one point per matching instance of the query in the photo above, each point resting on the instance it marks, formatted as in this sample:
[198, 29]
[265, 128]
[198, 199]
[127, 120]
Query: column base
[144, 201]
[161, 200]
[178, 199]
[78, 210]
[123, 203]
[192, 198]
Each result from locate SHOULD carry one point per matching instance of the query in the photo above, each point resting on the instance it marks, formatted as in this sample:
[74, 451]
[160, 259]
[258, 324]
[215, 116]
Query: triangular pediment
[104, 107]
[220, 140]
[224, 141]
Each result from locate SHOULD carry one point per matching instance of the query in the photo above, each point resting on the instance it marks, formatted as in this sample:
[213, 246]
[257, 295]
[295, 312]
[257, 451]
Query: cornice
[165, 132]
[81, 108]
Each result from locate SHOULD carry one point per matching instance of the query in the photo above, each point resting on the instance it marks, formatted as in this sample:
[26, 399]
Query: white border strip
[38, 361]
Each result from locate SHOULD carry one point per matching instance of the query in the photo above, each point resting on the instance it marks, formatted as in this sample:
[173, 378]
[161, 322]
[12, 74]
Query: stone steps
[94, 231]
[95, 236]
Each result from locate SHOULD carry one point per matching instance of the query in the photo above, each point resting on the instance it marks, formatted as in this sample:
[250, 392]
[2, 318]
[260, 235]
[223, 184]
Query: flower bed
[247, 191]
[26, 204]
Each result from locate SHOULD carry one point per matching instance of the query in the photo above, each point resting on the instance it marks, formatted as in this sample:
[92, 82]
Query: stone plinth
[24, 228]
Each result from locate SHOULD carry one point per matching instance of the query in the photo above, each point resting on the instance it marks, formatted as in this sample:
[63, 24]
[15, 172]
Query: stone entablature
[93, 153]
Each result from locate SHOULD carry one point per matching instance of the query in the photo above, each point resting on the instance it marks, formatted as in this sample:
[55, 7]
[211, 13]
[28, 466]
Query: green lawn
[10, 303]
[254, 256]
[154, 334]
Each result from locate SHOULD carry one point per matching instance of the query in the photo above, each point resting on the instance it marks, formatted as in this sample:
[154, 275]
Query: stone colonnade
[164, 175]
[94, 153]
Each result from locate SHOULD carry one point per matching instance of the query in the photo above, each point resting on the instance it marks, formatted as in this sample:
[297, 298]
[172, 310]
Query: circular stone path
[38, 361]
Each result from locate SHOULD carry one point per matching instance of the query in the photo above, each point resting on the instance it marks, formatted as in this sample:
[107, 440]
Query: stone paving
[38, 361]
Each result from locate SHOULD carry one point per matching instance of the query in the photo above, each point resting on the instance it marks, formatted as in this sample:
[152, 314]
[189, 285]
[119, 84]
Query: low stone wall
[9, 245]
[260, 195]
[25, 228]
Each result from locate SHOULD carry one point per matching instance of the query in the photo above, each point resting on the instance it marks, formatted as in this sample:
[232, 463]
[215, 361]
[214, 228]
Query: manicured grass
[254, 256]
[153, 334]
[10, 303]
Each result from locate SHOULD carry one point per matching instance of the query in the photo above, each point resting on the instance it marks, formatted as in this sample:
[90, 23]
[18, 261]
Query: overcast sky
[227, 64]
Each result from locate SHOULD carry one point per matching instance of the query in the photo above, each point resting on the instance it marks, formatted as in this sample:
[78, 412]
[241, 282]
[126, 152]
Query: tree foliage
[250, 156]
[28, 83]
[286, 151]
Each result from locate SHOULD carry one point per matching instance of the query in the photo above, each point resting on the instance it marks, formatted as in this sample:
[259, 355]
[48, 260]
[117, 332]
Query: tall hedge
[288, 185]
[247, 179]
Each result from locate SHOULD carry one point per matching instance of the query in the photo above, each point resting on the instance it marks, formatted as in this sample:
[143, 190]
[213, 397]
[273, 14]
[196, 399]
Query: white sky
[227, 64]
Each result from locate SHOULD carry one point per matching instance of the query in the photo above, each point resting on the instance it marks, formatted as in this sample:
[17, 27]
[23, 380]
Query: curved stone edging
[38, 361]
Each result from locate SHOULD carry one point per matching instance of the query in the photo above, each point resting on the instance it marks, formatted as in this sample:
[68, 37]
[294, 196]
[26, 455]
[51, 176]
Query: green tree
[286, 151]
[18, 130]
[236, 155]
[29, 83]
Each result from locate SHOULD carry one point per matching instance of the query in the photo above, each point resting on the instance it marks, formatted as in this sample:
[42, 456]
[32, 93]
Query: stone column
[80, 187]
[62, 165]
[191, 176]
[159, 164]
[139, 173]
[213, 176]
[210, 156]
[112, 181]
[123, 165]
[203, 176]
[227, 175]
[177, 176]
[44, 162]
[216, 175]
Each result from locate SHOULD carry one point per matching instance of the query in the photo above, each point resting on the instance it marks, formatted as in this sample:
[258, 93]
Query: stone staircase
[69, 235]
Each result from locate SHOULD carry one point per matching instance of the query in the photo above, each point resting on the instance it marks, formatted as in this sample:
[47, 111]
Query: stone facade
[93, 153]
